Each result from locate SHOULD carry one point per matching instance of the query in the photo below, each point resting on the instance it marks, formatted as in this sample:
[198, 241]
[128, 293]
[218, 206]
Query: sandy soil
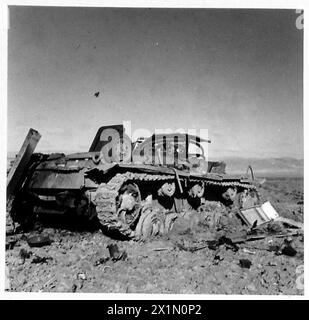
[75, 260]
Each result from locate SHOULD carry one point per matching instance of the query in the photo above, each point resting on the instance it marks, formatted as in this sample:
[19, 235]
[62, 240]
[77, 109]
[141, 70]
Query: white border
[267, 4]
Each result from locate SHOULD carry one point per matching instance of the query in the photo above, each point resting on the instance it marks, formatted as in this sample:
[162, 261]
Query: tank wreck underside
[130, 200]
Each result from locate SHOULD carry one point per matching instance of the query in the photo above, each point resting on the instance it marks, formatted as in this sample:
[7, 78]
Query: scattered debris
[287, 248]
[191, 248]
[274, 248]
[115, 254]
[217, 258]
[229, 244]
[213, 245]
[38, 259]
[223, 240]
[237, 237]
[10, 243]
[291, 223]
[161, 249]
[274, 227]
[24, 254]
[245, 250]
[39, 241]
[81, 276]
[258, 215]
[245, 263]
[101, 261]
[48, 282]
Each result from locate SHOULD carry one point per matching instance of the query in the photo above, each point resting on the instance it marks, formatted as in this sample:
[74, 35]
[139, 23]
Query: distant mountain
[266, 166]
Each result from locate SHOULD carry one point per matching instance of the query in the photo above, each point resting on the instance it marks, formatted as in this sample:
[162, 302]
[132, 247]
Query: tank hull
[79, 183]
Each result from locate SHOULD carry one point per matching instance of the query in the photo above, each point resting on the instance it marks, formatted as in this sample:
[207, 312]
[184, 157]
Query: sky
[237, 73]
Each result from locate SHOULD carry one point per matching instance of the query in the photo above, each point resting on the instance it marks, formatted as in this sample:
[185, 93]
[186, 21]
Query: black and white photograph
[154, 150]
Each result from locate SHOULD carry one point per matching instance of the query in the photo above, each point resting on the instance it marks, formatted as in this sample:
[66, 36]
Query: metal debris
[291, 223]
[38, 241]
[21, 161]
[259, 214]
[161, 249]
[38, 259]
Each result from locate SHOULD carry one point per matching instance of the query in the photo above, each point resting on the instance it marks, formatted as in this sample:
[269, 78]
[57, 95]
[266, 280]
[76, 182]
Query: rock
[288, 250]
[38, 259]
[115, 253]
[81, 276]
[245, 263]
[38, 241]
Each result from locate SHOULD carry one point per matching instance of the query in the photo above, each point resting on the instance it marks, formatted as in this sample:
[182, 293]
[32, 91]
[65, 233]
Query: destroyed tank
[133, 189]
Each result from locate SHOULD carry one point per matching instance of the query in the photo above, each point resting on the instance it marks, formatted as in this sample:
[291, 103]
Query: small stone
[251, 287]
[81, 276]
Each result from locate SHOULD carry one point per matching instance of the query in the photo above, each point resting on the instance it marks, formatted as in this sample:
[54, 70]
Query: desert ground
[78, 260]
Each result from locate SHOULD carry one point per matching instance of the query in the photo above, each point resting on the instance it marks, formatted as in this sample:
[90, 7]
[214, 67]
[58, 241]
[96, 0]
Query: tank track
[105, 199]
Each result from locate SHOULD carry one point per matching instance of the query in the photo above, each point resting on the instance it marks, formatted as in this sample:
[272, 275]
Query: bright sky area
[237, 73]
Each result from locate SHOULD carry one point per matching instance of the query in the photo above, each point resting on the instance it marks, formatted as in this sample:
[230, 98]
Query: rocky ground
[180, 262]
